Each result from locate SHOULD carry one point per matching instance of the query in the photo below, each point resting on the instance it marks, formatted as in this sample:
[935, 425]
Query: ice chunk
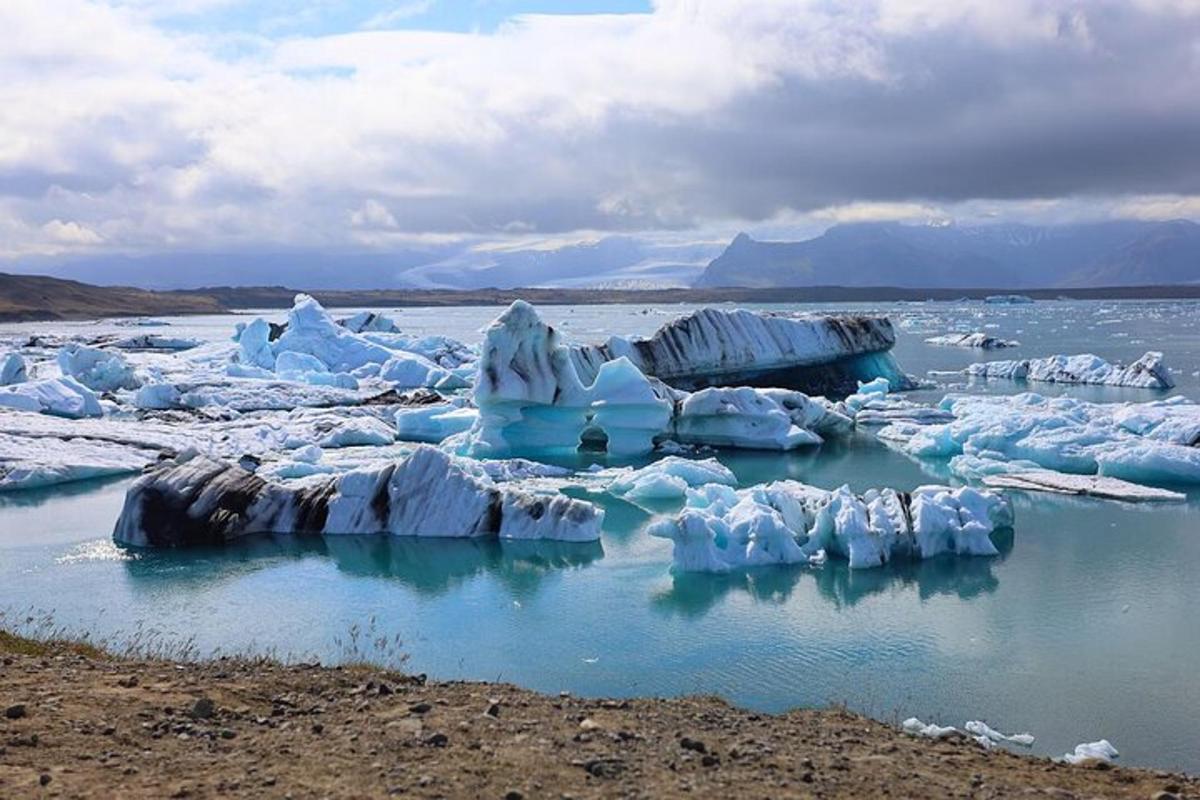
[1148, 372]
[155, 341]
[977, 340]
[311, 330]
[62, 397]
[369, 322]
[203, 501]
[254, 345]
[818, 354]
[96, 369]
[741, 417]
[670, 478]
[1044, 480]
[1153, 442]
[786, 522]
[434, 422]
[628, 408]
[1092, 751]
[412, 371]
[13, 370]
[157, 396]
[985, 732]
[30, 463]
[915, 727]
[1007, 299]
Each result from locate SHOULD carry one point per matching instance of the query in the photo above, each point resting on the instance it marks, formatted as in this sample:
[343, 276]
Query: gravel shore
[78, 723]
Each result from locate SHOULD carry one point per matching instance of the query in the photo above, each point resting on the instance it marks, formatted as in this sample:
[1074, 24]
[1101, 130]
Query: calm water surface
[1084, 627]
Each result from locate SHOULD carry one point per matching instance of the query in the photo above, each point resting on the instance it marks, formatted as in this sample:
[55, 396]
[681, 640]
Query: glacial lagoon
[1083, 627]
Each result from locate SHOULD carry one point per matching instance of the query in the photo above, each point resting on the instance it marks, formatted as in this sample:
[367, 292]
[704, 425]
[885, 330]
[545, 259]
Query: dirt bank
[76, 723]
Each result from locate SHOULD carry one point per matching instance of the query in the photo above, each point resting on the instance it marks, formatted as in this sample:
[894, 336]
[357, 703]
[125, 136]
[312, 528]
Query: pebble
[695, 745]
[203, 708]
[16, 711]
[420, 708]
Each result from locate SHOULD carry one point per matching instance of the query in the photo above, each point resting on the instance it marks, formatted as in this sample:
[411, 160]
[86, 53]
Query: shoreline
[38, 298]
[92, 724]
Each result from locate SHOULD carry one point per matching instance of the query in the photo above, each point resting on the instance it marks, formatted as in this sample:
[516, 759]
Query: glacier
[1148, 372]
[787, 522]
[200, 501]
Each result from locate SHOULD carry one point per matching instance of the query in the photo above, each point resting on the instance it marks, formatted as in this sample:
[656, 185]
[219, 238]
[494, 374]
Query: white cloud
[402, 12]
[702, 116]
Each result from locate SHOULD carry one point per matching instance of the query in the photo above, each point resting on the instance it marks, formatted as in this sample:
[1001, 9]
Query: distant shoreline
[37, 298]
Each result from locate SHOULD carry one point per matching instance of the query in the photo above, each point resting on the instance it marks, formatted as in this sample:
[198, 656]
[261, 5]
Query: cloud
[401, 12]
[702, 116]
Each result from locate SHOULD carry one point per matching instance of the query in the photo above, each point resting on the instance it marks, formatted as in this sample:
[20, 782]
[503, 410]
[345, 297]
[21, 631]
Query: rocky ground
[77, 723]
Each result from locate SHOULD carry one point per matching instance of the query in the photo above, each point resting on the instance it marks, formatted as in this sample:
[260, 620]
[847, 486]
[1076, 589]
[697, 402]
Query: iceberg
[531, 399]
[61, 397]
[155, 341]
[915, 727]
[13, 370]
[815, 354]
[202, 501]
[1008, 299]
[369, 322]
[96, 369]
[787, 522]
[976, 340]
[1156, 442]
[30, 463]
[670, 478]
[1092, 751]
[1148, 372]
[434, 422]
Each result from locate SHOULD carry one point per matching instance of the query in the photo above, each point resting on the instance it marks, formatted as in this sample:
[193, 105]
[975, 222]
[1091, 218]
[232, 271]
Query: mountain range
[877, 254]
[1119, 253]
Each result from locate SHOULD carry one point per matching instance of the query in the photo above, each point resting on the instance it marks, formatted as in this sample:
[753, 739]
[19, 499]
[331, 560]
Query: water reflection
[428, 566]
[695, 594]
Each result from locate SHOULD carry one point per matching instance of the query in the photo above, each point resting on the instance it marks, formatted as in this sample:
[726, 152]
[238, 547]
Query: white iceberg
[1092, 751]
[61, 397]
[97, 369]
[787, 522]
[201, 501]
[29, 463]
[531, 400]
[915, 727]
[434, 422]
[670, 478]
[1007, 299]
[369, 322]
[817, 354]
[978, 340]
[1146, 443]
[13, 370]
[1148, 372]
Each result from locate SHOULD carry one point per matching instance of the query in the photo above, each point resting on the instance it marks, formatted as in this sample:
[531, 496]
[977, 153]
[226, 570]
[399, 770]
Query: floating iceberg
[1092, 751]
[369, 322]
[670, 478]
[96, 369]
[155, 341]
[1008, 299]
[13, 370]
[787, 522]
[434, 422]
[312, 348]
[531, 399]
[816, 354]
[200, 501]
[61, 397]
[27, 463]
[915, 727]
[1148, 372]
[977, 340]
[1146, 443]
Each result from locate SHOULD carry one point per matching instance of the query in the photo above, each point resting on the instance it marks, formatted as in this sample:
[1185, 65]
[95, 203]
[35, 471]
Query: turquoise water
[1084, 627]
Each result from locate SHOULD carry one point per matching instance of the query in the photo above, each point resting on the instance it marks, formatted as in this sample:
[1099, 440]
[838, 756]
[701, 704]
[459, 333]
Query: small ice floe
[915, 727]
[977, 340]
[13, 370]
[1148, 372]
[99, 370]
[60, 397]
[786, 522]
[983, 732]
[1091, 751]
[1007, 299]
[1045, 480]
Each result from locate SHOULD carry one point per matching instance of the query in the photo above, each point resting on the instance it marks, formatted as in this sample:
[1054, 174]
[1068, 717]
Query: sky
[152, 126]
